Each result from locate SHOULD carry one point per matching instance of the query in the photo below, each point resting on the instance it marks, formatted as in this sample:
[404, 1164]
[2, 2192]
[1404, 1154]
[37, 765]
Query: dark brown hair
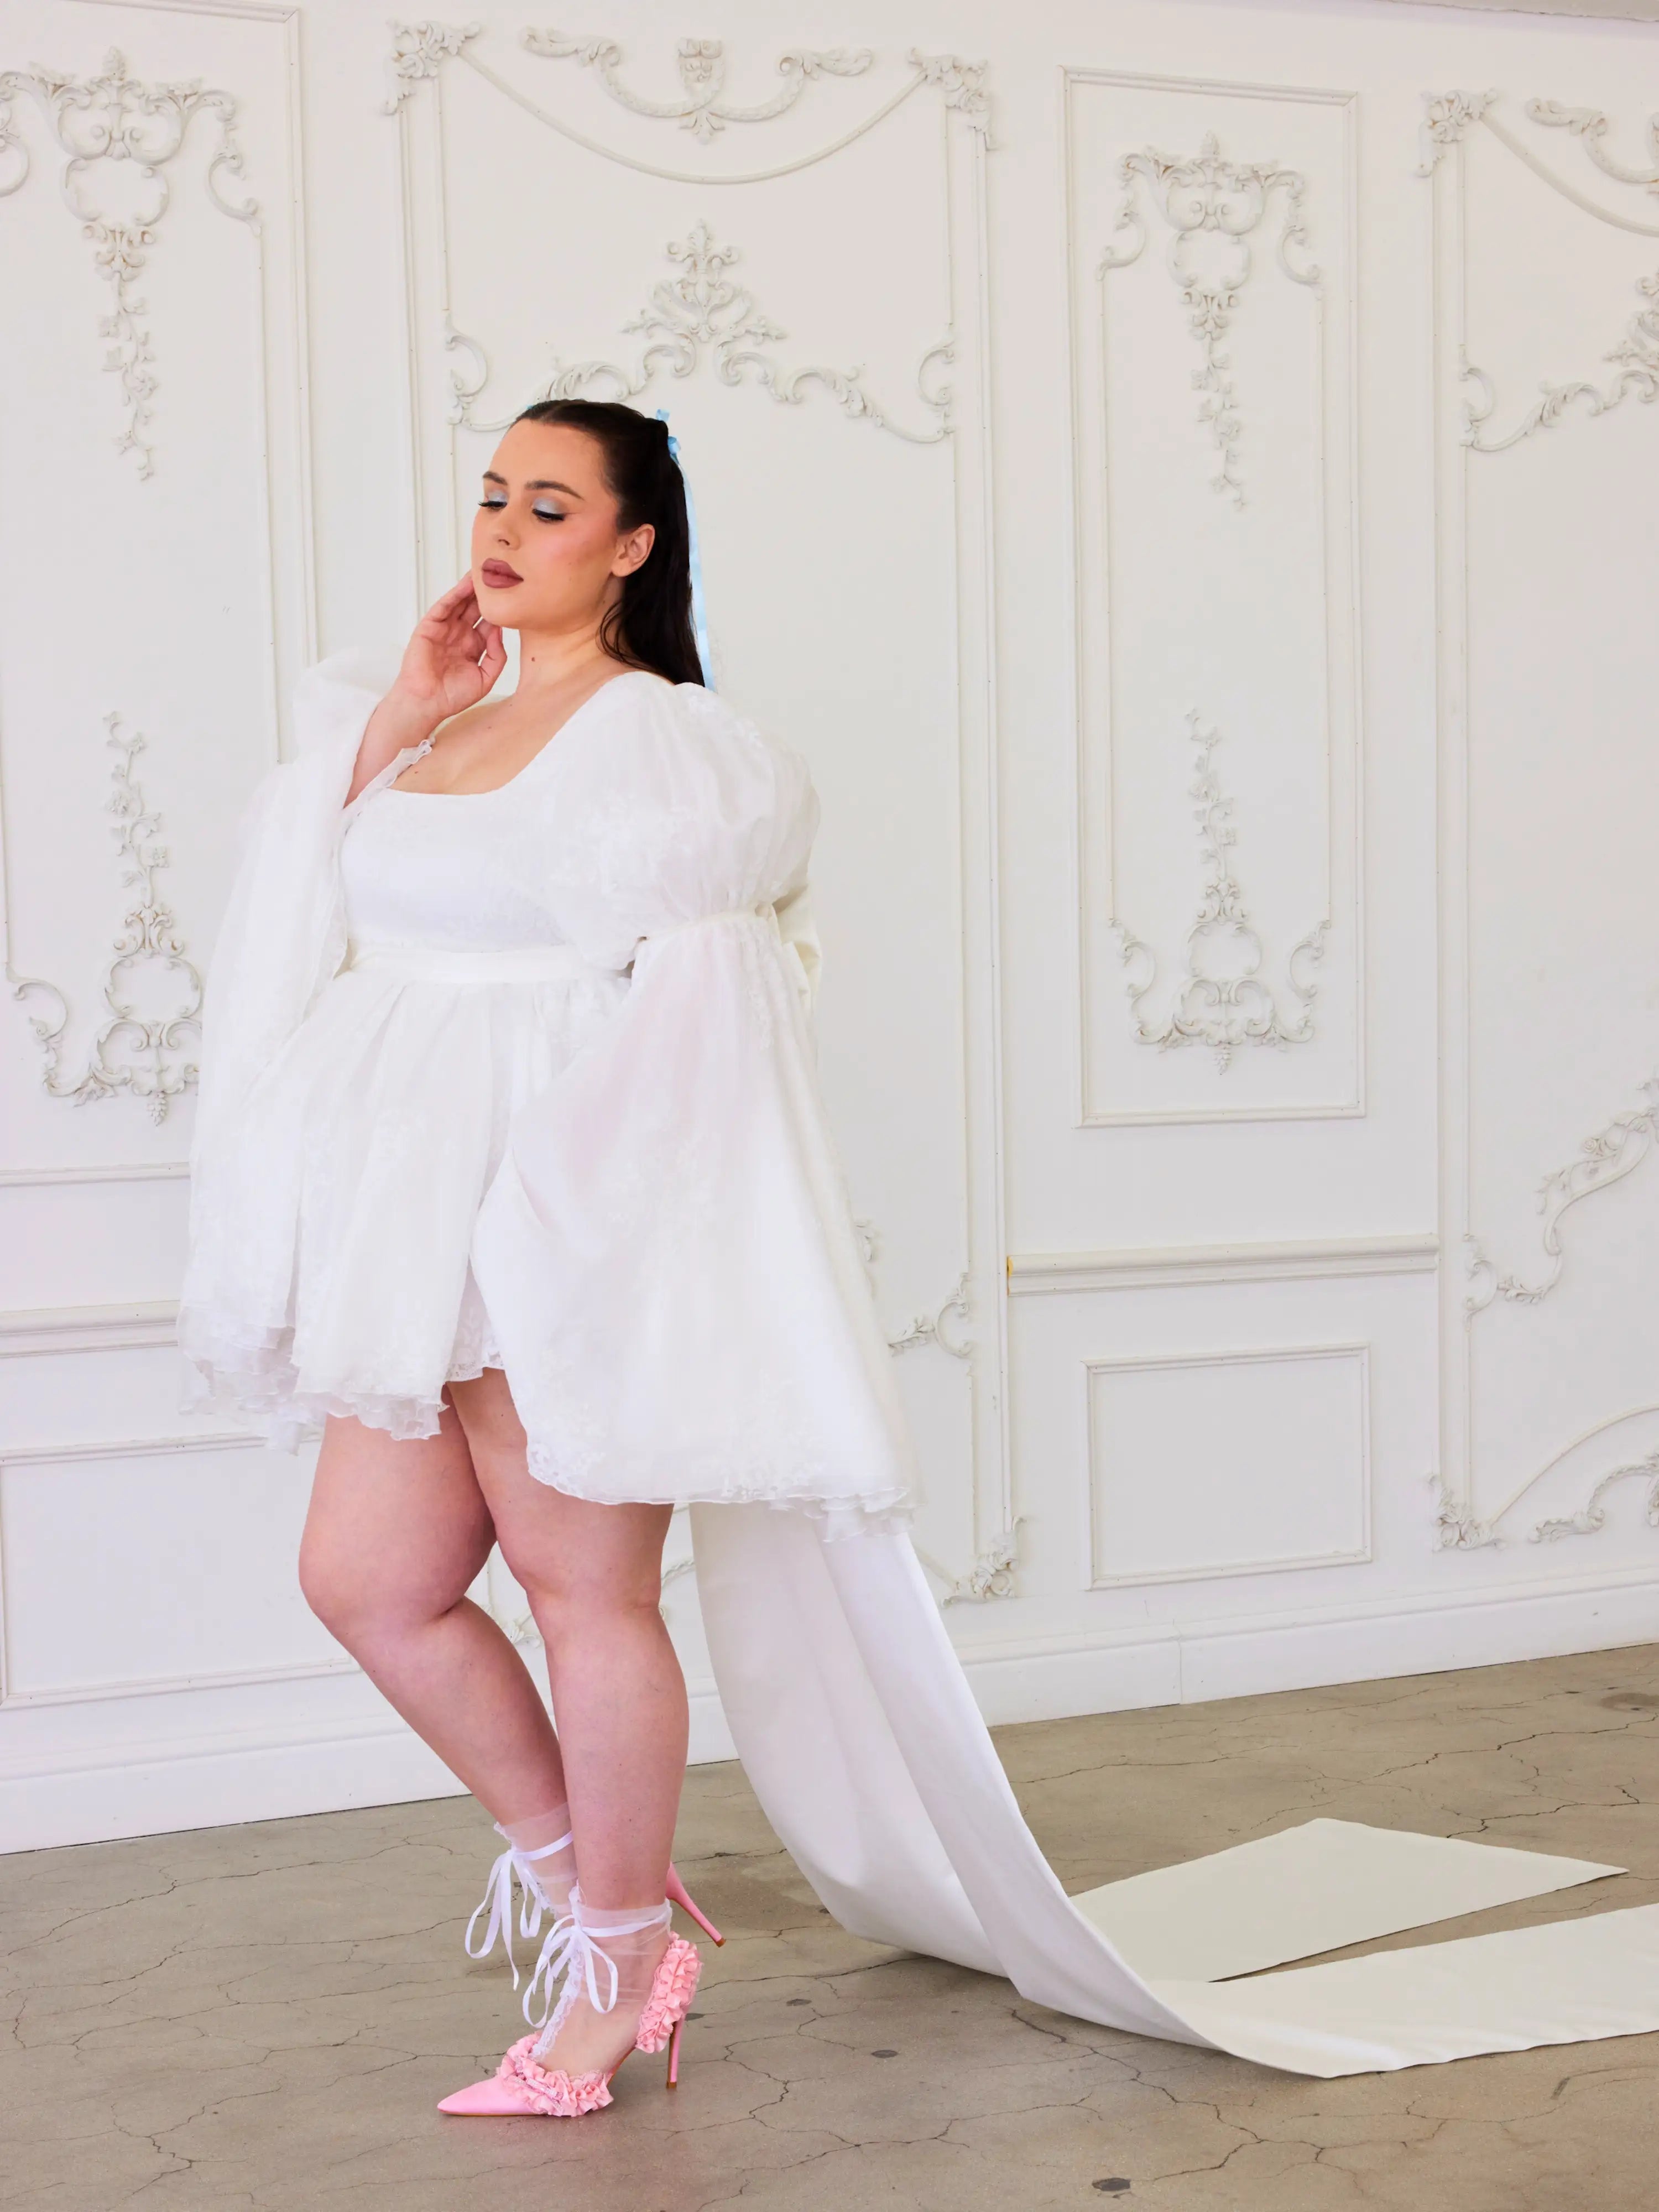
[650, 626]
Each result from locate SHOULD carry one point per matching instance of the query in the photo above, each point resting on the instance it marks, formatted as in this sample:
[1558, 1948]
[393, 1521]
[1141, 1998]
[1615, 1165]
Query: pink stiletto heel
[521, 2085]
[677, 1893]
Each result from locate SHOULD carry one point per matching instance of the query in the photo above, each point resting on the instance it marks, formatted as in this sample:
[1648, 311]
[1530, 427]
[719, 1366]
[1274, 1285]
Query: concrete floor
[261, 2018]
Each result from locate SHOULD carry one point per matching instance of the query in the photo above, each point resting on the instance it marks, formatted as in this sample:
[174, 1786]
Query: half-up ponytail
[650, 626]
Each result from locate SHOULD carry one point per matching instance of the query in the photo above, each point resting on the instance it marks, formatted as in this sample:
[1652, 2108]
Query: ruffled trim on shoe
[672, 1993]
[550, 2091]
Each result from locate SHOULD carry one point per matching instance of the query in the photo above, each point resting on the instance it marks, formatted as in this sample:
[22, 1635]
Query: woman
[535, 1332]
[511, 1170]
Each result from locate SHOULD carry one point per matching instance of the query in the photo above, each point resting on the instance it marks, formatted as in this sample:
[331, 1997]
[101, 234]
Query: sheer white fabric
[525, 1078]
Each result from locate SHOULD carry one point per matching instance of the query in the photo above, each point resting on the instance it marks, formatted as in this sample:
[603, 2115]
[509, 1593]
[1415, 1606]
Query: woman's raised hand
[451, 661]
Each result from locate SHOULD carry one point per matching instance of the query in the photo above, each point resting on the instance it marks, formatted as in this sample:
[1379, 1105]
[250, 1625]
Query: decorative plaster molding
[930, 1329]
[1357, 1353]
[1605, 1157]
[114, 117]
[1592, 1516]
[419, 51]
[1200, 193]
[1457, 1529]
[27, 1333]
[960, 84]
[700, 310]
[1447, 119]
[1156, 1266]
[703, 111]
[156, 1070]
[992, 1575]
[1224, 1010]
[1590, 126]
[1636, 355]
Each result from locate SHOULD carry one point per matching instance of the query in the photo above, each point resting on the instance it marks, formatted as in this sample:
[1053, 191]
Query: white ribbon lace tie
[497, 1901]
[570, 1950]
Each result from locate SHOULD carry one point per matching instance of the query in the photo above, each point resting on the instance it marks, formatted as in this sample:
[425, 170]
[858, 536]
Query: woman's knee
[580, 1592]
[332, 1585]
[363, 1601]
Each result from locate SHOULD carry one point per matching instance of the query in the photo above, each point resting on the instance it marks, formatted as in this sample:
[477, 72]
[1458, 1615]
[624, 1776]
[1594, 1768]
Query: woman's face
[547, 554]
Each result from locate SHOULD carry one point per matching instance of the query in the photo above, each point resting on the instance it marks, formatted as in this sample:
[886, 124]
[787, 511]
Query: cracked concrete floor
[261, 2018]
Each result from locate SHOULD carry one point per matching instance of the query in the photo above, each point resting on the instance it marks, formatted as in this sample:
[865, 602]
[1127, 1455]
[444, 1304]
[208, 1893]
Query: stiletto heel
[678, 1894]
[522, 2085]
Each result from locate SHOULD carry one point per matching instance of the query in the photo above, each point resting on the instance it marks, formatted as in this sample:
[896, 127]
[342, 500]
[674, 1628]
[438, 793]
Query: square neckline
[546, 745]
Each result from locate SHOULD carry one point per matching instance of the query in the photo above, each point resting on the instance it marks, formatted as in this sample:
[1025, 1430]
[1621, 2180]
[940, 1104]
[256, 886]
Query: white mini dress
[523, 1079]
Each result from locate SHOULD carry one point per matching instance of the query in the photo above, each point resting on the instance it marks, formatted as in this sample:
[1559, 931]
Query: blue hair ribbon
[699, 612]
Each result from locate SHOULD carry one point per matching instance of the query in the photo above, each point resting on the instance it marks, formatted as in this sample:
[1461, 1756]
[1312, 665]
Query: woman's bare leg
[395, 1534]
[593, 1574]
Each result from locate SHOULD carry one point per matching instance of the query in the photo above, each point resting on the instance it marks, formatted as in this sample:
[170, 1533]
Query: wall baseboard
[267, 1774]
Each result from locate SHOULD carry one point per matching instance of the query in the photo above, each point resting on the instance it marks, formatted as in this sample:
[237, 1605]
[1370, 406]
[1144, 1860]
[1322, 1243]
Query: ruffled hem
[257, 1383]
[887, 1512]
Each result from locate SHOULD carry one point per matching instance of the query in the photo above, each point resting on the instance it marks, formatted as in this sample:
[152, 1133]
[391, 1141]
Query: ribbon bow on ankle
[497, 1899]
[570, 1952]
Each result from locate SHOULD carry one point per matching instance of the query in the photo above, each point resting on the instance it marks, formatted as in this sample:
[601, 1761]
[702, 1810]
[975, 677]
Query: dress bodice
[464, 872]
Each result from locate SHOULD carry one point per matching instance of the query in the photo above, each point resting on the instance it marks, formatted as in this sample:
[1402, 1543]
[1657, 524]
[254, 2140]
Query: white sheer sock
[540, 1856]
[608, 1959]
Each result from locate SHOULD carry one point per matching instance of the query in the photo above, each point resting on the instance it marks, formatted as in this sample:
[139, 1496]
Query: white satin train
[859, 1732]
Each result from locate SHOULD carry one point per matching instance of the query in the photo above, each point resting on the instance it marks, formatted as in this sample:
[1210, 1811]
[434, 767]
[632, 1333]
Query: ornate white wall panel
[1211, 230]
[155, 585]
[1228, 1464]
[1551, 931]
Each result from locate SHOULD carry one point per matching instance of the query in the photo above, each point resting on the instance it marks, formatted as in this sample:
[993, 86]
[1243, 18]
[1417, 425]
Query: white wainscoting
[1198, 1081]
[1228, 1464]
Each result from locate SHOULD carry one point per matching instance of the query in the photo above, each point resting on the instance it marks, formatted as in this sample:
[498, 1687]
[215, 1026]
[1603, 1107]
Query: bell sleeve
[667, 1253]
[283, 936]
[282, 933]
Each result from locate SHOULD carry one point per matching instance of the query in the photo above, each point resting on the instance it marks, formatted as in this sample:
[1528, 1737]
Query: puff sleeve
[667, 1252]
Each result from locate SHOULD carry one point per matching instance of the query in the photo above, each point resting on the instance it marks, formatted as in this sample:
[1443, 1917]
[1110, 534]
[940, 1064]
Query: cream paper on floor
[1321, 1886]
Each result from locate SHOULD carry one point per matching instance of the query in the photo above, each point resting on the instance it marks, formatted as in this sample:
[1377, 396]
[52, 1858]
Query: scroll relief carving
[924, 1328]
[419, 51]
[995, 1570]
[1229, 201]
[152, 992]
[1220, 999]
[1456, 1530]
[703, 310]
[113, 120]
[992, 1575]
[1636, 356]
[1605, 1157]
[703, 108]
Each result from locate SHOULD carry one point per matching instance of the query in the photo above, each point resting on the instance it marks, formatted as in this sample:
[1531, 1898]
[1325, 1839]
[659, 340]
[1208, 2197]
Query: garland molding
[117, 119]
[137, 1050]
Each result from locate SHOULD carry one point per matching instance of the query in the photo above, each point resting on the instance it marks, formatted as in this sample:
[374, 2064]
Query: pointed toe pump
[522, 2085]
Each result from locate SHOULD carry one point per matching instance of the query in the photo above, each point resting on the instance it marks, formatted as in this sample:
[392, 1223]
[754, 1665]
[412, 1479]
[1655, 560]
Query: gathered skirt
[330, 1266]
